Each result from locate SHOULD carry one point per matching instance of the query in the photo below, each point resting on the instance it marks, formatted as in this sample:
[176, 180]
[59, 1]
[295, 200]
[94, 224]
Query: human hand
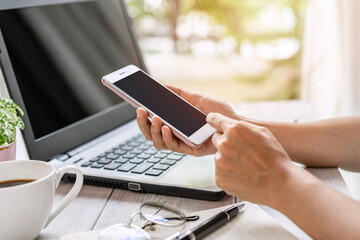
[250, 163]
[162, 136]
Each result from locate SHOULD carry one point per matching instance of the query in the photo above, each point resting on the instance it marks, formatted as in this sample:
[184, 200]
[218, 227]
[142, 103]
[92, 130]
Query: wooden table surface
[99, 207]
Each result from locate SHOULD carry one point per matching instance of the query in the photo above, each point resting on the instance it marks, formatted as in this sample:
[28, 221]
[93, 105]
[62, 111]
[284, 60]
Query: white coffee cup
[26, 209]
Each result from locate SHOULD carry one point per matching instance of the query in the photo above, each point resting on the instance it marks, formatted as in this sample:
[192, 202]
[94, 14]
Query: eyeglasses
[155, 213]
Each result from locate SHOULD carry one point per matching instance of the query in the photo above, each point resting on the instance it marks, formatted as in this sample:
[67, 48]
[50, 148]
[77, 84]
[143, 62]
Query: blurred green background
[234, 50]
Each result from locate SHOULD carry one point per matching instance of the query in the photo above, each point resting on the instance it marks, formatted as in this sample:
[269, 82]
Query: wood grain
[98, 207]
[80, 215]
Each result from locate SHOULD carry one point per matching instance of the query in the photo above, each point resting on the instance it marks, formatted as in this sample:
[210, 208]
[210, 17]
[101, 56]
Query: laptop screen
[58, 54]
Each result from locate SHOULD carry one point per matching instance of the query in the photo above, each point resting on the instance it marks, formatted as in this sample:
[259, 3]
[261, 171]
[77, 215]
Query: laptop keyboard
[137, 156]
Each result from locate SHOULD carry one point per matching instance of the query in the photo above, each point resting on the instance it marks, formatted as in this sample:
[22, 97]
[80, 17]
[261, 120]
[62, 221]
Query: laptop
[53, 55]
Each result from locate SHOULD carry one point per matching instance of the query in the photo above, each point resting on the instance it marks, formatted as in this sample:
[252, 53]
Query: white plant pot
[8, 153]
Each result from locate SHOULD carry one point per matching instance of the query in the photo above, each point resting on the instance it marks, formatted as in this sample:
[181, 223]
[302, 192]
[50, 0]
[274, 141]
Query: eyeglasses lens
[154, 212]
[124, 232]
[162, 214]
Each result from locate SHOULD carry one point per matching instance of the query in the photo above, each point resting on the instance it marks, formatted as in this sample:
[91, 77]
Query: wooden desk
[98, 207]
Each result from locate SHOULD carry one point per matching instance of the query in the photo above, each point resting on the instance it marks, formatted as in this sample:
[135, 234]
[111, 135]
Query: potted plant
[9, 121]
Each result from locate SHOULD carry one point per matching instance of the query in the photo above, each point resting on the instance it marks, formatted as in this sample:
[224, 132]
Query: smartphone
[140, 90]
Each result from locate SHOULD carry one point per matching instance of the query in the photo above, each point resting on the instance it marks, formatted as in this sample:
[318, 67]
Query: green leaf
[20, 123]
[2, 140]
[9, 120]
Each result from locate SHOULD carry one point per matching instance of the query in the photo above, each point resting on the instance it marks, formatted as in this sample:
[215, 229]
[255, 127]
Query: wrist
[294, 182]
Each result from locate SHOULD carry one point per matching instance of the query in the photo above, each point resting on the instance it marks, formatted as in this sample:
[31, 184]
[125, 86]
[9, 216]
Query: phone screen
[164, 103]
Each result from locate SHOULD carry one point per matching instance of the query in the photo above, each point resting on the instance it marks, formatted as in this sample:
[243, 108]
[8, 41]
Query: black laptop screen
[59, 54]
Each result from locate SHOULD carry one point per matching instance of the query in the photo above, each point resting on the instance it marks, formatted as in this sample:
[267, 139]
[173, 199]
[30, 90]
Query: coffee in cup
[27, 190]
[15, 182]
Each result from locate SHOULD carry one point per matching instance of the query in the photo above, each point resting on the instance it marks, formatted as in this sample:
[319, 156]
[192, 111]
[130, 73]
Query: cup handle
[71, 195]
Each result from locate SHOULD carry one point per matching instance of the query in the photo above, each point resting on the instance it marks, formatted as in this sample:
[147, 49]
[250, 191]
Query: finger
[169, 139]
[218, 121]
[143, 122]
[174, 143]
[217, 156]
[178, 91]
[188, 96]
[174, 89]
[215, 139]
[156, 124]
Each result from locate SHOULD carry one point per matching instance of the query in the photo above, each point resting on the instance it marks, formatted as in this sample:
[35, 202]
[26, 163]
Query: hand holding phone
[139, 89]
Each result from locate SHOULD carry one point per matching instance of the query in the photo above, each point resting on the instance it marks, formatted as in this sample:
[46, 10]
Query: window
[233, 50]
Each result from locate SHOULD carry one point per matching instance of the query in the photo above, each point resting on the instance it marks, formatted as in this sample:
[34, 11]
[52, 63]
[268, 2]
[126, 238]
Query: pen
[211, 224]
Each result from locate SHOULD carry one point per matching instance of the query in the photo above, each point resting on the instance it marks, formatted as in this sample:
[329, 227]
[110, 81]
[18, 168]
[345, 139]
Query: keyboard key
[120, 152]
[127, 148]
[112, 166]
[153, 172]
[142, 167]
[151, 151]
[136, 160]
[95, 159]
[174, 157]
[97, 165]
[149, 143]
[126, 167]
[102, 155]
[134, 144]
[153, 160]
[144, 147]
[166, 151]
[161, 167]
[121, 160]
[180, 154]
[104, 161]
[78, 160]
[144, 156]
[112, 156]
[86, 164]
[168, 162]
[136, 151]
[160, 155]
[140, 140]
[129, 155]
[62, 157]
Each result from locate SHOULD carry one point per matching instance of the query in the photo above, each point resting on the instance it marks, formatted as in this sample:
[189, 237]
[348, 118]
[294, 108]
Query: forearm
[252, 165]
[334, 142]
[316, 208]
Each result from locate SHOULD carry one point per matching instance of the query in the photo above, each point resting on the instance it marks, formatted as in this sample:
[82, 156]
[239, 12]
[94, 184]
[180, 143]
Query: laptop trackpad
[194, 172]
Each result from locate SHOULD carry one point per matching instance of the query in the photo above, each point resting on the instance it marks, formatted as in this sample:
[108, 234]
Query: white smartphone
[140, 90]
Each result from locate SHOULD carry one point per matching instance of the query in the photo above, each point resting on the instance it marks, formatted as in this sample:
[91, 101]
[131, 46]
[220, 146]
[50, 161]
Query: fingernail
[162, 131]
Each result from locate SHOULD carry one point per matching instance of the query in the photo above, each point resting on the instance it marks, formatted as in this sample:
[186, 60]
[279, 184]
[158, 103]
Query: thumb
[218, 121]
